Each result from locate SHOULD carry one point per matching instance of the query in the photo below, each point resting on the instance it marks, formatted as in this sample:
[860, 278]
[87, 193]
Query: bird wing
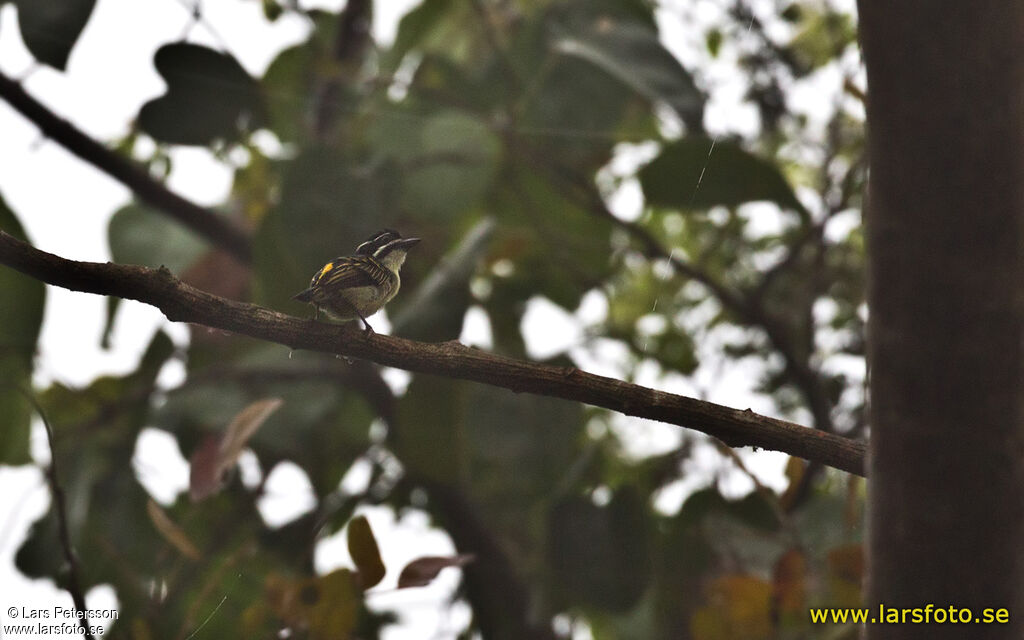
[350, 272]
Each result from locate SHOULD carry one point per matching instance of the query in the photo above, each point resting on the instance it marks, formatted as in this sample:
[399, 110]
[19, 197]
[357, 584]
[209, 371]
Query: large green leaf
[509, 452]
[209, 97]
[51, 27]
[457, 160]
[432, 26]
[292, 82]
[21, 316]
[559, 249]
[632, 53]
[139, 235]
[319, 426]
[430, 440]
[601, 556]
[519, 448]
[699, 173]
[329, 203]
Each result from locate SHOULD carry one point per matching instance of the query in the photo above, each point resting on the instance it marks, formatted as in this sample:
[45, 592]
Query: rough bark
[183, 303]
[946, 244]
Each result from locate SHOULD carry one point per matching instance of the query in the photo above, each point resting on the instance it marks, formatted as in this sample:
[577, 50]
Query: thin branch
[183, 303]
[217, 229]
[351, 43]
[748, 308]
[74, 586]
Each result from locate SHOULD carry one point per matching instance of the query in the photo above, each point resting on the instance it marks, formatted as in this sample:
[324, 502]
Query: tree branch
[807, 380]
[183, 303]
[351, 43]
[74, 586]
[217, 229]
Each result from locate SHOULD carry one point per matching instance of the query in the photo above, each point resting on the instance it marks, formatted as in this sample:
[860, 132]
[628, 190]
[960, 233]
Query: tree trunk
[946, 244]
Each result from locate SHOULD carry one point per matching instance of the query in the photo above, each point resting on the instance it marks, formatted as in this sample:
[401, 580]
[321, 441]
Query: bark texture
[946, 243]
[183, 303]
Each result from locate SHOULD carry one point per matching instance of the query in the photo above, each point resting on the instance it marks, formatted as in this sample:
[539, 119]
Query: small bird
[357, 286]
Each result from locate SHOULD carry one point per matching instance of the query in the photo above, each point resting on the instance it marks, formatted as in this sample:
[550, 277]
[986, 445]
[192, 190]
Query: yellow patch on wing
[324, 270]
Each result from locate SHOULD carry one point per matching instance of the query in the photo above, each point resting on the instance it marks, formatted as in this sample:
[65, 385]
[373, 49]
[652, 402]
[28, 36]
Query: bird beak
[406, 243]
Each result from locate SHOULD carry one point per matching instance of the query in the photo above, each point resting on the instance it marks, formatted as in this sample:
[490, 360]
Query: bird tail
[304, 296]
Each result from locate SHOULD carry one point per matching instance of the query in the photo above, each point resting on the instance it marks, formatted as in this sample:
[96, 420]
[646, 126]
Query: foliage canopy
[497, 131]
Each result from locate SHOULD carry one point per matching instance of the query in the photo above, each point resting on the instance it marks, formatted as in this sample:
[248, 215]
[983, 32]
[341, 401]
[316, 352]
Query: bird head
[388, 247]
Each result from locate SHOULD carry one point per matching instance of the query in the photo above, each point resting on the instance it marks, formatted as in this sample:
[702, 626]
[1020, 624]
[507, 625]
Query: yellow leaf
[737, 607]
[326, 605]
[333, 615]
[845, 575]
[790, 587]
[364, 551]
[795, 468]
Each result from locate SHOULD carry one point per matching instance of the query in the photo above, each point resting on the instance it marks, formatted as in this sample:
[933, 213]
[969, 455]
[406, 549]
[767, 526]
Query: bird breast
[368, 300]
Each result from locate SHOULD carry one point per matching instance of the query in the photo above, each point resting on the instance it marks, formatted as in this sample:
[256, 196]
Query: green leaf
[320, 426]
[559, 249]
[209, 97]
[21, 317]
[432, 26]
[362, 546]
[139, 235]
[713, 40]
[507, 451]
[457, 160]
[698, 173]
[15, 429]
[822, 36]
[92, 463]
[756, 511]
[602, 555]
[329, 203]
[293, 81]
[431, 443]
[631, 52]
[51, 27]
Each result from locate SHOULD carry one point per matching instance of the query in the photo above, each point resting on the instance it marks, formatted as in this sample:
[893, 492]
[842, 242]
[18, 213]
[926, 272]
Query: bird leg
[366, 325]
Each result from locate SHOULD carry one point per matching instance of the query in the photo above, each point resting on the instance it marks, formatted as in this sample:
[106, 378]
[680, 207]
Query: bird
[359, 285]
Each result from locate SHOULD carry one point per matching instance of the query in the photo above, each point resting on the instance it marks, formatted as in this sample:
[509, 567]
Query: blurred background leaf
[50, 29]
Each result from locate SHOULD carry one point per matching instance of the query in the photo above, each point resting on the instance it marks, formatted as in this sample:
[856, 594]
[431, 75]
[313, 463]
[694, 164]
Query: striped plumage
[357, 286]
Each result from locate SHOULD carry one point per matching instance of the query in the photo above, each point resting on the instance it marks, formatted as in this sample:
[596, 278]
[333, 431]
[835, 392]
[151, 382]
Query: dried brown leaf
[422, 571]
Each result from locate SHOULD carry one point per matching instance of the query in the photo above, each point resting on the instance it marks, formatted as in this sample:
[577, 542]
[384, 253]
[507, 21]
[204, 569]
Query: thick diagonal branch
[182, 303]
[219, 230]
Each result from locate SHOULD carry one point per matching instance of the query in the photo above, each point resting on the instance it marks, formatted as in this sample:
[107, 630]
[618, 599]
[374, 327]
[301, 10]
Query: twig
[218, 230]
[351, 43]
[746, 307]
[74, 587]
[183, 303]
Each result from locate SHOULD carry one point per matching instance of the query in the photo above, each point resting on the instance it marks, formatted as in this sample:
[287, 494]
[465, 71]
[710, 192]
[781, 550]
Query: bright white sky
[64, 205]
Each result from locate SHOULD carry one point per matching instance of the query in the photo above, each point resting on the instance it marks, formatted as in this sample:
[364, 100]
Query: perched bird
[357, 286]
